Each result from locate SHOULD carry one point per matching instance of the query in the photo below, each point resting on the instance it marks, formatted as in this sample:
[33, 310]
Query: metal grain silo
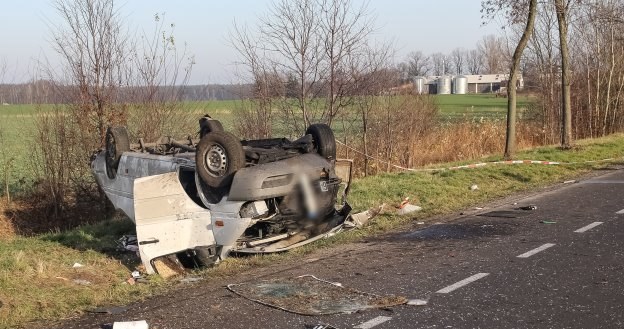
[444, 85]
[460, 85]
[419, 84]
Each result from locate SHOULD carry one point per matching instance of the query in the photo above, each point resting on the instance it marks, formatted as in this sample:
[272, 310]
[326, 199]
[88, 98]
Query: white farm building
[464, 84]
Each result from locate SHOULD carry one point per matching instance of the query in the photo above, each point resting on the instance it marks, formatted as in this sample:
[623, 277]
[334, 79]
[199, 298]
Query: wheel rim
[216, 161]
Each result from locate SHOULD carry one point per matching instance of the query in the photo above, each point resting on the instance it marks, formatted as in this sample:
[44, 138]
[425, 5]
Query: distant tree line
[490, 56]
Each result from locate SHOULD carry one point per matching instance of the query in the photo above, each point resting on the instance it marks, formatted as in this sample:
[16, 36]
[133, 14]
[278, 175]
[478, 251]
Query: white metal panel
[167, 220]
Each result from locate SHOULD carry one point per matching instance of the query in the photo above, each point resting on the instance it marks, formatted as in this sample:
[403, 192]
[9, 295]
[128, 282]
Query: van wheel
[219, 155]
[117, 142]
[324, 140]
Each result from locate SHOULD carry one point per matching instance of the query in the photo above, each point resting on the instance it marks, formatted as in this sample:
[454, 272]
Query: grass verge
[37, 277]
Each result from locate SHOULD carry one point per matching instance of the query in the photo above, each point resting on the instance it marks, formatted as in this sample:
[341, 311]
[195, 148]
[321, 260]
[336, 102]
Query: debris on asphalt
[362, 218]
[530, 207]
[131, 325]
[108, 310]
[474, 187]
[82, 282]
[417, 302]
[569, 181]
[190, 280]
[478, 208]
[77, 265]
[407, 208]
[548, 222]
[309, 295]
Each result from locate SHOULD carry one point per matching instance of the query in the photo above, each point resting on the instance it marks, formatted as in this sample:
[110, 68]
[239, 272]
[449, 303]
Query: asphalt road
[558, 266]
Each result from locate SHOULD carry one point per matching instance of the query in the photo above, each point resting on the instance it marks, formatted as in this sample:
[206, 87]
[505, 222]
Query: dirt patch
[27, 217]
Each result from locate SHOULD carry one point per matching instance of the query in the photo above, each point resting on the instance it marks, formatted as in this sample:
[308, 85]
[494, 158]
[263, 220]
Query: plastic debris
[420, 223]
[474, 187]
[407, 208]
[136, 274]
[131, 325]
[548, 222]
[569, 181]
[417, 302]
[531, 207]
[362, 218]
[82, 282]
[77, 265]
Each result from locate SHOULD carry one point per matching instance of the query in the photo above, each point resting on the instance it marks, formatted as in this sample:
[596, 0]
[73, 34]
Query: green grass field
[17, 124]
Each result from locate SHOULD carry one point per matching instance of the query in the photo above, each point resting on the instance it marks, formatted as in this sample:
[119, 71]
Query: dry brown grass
[447, 142]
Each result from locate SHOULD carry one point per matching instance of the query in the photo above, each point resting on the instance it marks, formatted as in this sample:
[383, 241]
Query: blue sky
[426, 25]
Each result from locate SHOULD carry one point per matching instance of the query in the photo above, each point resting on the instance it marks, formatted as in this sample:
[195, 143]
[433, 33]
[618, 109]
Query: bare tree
[474, 62]
[566, 133]
[492, 51]
[441, 64]
[345, 30]
[315, 44]
[290, 35]
[458, 58]
[417, 64]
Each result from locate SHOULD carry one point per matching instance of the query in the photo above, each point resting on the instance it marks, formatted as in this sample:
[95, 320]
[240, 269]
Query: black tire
[207, 126]
[117, 142]
[324, 140]
[219, 155]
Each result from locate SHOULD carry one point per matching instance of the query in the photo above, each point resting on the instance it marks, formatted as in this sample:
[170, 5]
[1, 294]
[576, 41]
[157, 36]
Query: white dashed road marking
[620, 212]
[588, 227]
[535, 251]
[374, 322]
[462, 283]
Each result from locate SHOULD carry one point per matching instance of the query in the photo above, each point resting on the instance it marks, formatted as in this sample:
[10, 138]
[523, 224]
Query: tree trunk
[510, 145]
[566, 131]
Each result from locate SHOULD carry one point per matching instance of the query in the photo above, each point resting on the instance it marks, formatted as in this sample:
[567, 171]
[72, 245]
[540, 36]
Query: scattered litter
[129, 243]
[136, 274]
[569, 181]
[308, 295]
[531, 207]
[360, 219]
[417, 302]
[109, 310]
[548, 222]
[131, 325]
[478, 208]
[407, 208]
[421, 223]
[131, 281]
[474, 187]
[190, 280]
[77, 265]
[82, 282]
